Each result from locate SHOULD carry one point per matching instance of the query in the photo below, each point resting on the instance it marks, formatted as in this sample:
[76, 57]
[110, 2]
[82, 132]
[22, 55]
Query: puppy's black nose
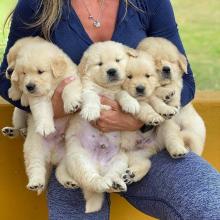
[111, 72]
[30, 87]
[10, 71]
[166, 72]
[166, 69]
[140, 89]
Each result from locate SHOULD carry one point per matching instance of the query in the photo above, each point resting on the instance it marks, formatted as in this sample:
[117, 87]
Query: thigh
[69, 204]
[187, 188]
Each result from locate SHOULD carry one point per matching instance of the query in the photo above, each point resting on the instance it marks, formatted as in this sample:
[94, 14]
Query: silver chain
[97, 21]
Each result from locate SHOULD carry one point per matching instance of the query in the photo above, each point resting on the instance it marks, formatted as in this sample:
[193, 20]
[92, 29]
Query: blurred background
[199, 26]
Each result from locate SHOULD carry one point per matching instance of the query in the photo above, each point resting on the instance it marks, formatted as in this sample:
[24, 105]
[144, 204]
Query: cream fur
[92, 177]
[45, 65]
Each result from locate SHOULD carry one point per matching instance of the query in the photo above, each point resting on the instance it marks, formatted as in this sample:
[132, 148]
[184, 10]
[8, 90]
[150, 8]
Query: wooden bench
[18, 203]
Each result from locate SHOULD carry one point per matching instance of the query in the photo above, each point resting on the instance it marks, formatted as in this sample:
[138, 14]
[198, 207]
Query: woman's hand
[57, 101]
[115, 119]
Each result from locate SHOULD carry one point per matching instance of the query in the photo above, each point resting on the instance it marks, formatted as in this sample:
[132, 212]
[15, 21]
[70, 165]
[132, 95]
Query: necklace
[96, 22]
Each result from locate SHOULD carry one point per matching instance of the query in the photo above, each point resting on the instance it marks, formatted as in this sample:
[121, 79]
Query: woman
[174, 189]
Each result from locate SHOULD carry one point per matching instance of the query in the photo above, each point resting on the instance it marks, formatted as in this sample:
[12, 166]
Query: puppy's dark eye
[100, 63]
[147, 75]
[117, 60]
[40, 71]
[130, 76]
[24, 73]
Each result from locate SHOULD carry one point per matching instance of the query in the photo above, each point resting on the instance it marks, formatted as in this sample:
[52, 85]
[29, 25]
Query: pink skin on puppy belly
[102, 147]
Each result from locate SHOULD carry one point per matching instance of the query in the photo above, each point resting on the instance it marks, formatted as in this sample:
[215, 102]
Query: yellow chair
[16, 202]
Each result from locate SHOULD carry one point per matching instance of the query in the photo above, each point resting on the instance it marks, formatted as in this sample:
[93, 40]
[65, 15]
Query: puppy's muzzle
[166, 72]
[9, 72]
[140, 90]
[31, 87]
[112, 74]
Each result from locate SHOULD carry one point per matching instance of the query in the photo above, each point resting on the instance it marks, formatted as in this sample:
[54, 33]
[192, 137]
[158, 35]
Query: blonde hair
[49, 13]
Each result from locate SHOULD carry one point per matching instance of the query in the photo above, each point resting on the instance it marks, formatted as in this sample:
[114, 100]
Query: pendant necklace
[96, 22]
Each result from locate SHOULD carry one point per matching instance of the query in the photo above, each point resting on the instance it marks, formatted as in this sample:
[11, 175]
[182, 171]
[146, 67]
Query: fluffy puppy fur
[39, 67]
[171, 65]
[38, 76]
[94, 159]
[142, 80]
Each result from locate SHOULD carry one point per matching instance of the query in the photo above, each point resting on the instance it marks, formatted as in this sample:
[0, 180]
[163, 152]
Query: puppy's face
[36, 74]
[142, 78]
[171, 69]
[104, 64]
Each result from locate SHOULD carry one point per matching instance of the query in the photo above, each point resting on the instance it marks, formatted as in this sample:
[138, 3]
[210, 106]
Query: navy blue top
[157, 20]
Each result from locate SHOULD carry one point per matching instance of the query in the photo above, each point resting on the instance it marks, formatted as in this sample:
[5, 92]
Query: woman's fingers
[106, 101]
[62, 85]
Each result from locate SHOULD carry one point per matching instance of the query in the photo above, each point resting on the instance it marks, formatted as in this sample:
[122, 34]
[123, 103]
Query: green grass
[199, 26]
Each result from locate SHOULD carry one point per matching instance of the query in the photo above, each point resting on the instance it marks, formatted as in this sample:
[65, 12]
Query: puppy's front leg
[91, 105]
[128, 103]
[72, 96]
[162, 108]
[42, 111]
[148, 115]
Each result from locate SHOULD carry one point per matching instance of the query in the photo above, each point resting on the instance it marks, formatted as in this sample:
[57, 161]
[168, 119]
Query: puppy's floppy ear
[58, 66]
[131, 52]
[82, 67]
[183, 63]
[14, 76]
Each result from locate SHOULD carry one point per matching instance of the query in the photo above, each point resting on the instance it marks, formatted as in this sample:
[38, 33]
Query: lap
[187, 188]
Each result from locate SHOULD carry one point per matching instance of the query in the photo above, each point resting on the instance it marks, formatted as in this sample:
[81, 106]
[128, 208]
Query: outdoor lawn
[199, 26]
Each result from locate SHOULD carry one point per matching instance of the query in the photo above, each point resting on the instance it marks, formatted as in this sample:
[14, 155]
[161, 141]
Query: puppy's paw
[178, 152]
[131, 107]
[118, 185]
[71, 105]
[44, 129]
[14, 94]
[154, 119]
[167, 97]
[128, 176]
[36, 184]
[10, 132]
[168, 112]
[91, 112]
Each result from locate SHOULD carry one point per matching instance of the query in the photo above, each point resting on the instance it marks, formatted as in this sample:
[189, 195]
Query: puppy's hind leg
[63, 177]
[170, 136]
[35, 156]
[94, 201]
[82, 169]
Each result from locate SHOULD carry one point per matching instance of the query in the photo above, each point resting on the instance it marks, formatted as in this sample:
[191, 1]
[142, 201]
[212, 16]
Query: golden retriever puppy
[94, 159]
[142, 80]
[39, 67]
[171, 65]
